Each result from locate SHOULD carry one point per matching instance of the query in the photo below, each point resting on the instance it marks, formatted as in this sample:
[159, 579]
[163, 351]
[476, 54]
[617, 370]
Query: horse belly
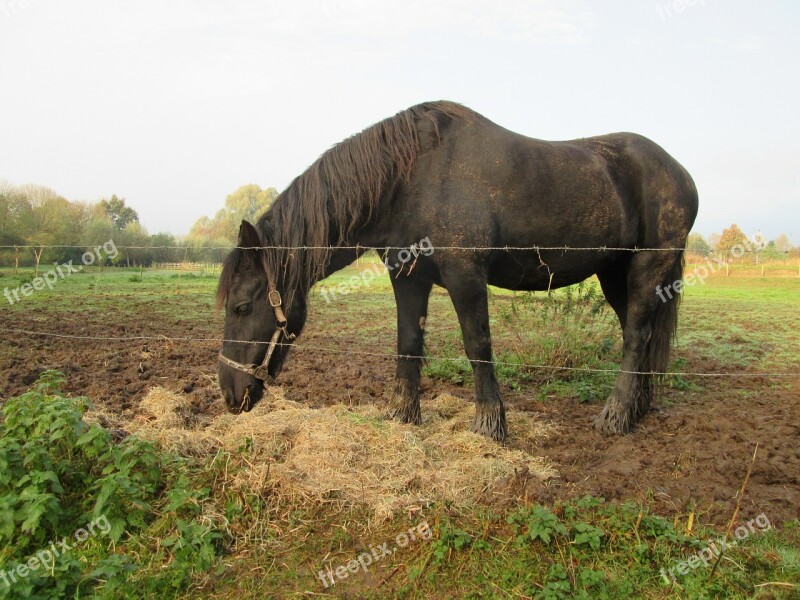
[531, 270]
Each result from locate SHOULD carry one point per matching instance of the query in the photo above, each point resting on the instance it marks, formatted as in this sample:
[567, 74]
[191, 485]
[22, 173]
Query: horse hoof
[407, 415]
[491, 423]
[612, 423]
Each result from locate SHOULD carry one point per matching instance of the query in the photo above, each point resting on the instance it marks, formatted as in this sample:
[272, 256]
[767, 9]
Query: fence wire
[299, 346]
[220, 341]
[356, 247]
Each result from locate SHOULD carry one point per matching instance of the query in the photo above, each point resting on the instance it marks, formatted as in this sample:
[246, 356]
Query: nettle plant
[58, 473]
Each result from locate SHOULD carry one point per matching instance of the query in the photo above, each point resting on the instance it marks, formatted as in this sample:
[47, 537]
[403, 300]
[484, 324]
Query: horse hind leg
[665, 324]
[614, 284]
[648, 330]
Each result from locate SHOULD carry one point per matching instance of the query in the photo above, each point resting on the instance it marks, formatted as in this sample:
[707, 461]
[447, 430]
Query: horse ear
[248, 236]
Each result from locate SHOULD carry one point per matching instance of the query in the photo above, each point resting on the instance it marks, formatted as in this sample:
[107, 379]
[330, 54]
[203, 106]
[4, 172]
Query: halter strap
[260, 371]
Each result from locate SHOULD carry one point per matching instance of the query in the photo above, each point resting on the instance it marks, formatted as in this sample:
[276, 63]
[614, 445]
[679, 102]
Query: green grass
[743, 323]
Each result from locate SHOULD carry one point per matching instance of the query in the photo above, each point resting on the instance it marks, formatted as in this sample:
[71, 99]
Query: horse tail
[665, 325]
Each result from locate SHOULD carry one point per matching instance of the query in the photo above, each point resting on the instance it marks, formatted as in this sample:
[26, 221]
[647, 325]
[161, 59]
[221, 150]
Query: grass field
[180, 526]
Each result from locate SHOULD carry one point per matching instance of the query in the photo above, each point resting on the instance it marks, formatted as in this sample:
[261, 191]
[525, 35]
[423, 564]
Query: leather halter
[260, 371]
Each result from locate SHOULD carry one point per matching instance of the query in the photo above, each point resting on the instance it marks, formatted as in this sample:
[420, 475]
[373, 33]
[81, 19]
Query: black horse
[494, 205]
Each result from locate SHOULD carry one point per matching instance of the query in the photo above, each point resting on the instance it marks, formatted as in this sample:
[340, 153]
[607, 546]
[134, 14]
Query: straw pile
[351, 454]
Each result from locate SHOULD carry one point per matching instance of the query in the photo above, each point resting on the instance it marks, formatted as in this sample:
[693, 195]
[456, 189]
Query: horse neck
[371, 235]
[340, 258]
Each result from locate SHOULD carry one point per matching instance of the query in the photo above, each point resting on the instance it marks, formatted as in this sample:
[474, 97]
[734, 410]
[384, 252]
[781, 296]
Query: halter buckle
[260, 372]
[274, 298]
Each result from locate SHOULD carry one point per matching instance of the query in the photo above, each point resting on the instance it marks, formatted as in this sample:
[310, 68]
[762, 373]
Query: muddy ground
[690, 453]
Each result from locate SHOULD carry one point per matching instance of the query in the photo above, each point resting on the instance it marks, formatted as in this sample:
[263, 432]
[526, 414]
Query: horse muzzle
[249, 397]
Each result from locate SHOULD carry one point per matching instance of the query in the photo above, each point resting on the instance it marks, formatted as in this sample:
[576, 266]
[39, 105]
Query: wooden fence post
[38, 256]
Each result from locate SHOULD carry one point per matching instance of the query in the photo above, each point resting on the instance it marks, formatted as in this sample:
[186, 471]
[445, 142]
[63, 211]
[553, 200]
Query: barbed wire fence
[356, 247]
[387, 355]
[362, 353]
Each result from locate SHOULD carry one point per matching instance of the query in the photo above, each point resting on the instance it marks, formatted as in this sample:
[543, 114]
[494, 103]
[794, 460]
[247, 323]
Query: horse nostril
[228, 396]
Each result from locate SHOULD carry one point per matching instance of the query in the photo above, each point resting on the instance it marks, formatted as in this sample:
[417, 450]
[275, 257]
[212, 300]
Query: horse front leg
[470, 299]
[411, 295]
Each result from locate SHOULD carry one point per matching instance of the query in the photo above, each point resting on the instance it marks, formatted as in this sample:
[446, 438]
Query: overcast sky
[175, 104]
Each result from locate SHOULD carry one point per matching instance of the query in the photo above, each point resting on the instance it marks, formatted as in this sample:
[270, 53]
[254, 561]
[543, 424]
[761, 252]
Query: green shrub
[62, 479]
[548, 339]
[571, 328]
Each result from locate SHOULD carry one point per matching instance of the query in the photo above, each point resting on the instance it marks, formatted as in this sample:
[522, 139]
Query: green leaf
[588, 535]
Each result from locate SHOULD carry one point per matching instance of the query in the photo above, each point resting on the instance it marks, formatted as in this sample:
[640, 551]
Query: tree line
[33, 215]
[33, 218]
[733, 244]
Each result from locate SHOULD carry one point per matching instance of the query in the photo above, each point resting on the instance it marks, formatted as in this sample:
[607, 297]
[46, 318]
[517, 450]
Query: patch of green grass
[586, 548]
[451, 365]
[591, 549]
[742, 323]
[546, 339]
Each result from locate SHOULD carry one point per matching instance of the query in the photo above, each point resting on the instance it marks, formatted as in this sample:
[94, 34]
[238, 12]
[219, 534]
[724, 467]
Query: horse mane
[337, 195]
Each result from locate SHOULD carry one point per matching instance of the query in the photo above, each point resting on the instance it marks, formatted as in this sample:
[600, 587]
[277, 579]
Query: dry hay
[352, 454]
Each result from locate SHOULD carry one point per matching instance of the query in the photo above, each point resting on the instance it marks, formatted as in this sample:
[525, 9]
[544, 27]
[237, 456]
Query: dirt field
[690, 453]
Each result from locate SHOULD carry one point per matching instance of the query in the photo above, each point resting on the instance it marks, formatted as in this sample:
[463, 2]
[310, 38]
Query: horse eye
[243, 309]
